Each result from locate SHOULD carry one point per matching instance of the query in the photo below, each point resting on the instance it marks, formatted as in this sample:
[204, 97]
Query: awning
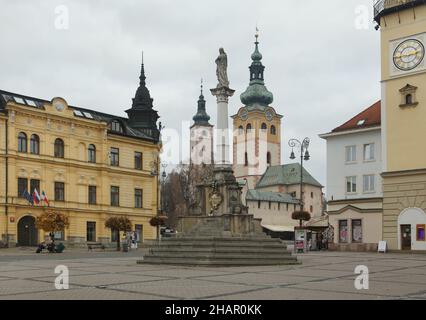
[278, 228]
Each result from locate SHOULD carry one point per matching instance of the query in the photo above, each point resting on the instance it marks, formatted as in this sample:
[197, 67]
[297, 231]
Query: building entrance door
[27, 232]
[406, 237]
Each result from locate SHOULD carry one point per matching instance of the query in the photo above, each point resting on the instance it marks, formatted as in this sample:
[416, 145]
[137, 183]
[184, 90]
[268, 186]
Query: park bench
[95, 245]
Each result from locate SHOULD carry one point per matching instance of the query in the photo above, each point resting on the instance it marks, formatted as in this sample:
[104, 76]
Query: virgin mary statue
[222, 65]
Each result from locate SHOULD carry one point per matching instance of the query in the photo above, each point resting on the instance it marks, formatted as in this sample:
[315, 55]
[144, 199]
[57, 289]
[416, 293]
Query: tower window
[248, 128]
[268, 158]
[240, 130]
[264, 127]
[273, 130]
[246, 159]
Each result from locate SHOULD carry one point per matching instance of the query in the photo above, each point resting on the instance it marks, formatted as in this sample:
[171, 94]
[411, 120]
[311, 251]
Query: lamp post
[304, 156]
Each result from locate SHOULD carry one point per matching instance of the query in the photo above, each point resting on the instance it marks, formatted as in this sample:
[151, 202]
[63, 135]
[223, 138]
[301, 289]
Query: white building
[354, 184]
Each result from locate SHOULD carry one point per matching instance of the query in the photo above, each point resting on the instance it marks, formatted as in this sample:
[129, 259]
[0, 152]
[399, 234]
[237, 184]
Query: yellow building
[403, 41]
[90, 165]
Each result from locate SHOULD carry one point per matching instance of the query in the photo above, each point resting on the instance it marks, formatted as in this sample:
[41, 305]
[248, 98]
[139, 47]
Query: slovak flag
[36, 197]
[44, 198]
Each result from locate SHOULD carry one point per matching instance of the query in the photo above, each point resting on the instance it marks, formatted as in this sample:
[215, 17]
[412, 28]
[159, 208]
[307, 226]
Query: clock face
[269, 115]
[244, 115]
[409, 54]
[59, 105]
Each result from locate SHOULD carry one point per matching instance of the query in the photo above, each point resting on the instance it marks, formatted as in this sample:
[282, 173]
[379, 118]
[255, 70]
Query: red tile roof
[370, 117]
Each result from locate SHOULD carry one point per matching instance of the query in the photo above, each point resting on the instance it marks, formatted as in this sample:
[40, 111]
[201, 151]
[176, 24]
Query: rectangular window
[92, 194]
[139, 232]
[269, 205]
[258, 204]
[91, 231]
[368, 182]
[59, 191]
[115, 157]
[357, 231]
[34, 185]
[350, 184]
[115, 196]
[138, 160]
[369, 152]
[138, 198]
[343, 231]
[350, 154]
[22, 186]
[420, 232]
[279, 206]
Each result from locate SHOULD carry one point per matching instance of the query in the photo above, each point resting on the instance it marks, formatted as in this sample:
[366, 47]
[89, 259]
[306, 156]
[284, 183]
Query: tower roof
[257, 93]
[142, 99]
[201, 118]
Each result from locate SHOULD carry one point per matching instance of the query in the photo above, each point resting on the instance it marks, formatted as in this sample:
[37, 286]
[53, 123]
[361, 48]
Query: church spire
[142, 99]
[201, 118]
[256, 93]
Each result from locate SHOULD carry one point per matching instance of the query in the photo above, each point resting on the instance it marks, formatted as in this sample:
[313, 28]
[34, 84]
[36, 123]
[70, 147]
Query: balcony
[383, 7]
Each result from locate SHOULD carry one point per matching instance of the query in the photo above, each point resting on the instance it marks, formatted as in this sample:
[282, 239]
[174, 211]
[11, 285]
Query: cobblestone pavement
[112, 275]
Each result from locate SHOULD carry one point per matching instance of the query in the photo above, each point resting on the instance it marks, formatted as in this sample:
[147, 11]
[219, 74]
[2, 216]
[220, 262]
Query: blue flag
[28, 196]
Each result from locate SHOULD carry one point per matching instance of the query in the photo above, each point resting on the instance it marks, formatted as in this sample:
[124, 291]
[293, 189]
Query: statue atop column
[221, 70]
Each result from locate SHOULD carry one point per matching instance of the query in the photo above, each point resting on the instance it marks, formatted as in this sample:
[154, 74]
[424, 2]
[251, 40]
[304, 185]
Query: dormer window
[116, 126]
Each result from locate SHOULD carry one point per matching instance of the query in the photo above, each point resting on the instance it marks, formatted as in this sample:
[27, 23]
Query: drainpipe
[7, 182]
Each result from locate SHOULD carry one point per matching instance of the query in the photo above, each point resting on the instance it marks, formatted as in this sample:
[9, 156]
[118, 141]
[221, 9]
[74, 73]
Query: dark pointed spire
[201, 118]
[142, 99]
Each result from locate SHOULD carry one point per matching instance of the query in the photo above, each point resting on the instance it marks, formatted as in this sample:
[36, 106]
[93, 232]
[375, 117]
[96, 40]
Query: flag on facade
[44, 198]
[36, 197]
[27, 196]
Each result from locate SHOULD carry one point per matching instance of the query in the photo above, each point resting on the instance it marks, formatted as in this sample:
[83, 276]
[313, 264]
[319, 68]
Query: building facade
[201, 132]
[89, 165]
[403, 75]
[256, 128]
[354, 183]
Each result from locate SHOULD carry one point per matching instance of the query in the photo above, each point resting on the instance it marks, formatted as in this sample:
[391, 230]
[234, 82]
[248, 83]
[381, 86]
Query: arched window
[246, 159]
[264, 127]
[240, 130]
[91, 154]
[268, 158]
[35, 144]
[248, 128]
[273, 130]
[22, 142]
[59, 148]
[409, 99]
[115, 126]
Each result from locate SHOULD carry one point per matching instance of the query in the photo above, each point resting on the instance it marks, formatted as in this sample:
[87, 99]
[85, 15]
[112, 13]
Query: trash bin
[125, 247]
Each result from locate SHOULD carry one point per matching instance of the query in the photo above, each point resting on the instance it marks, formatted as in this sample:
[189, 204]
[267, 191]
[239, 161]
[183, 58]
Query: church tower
[402, 26]
[201, 135]
[257, 128]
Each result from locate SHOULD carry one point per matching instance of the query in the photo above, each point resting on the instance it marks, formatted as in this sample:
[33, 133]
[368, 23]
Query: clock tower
[256, 127]
[402, 25]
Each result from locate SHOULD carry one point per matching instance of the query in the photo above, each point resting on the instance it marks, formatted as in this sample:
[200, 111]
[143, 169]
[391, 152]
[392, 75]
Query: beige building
[403, 41]
[90, 166]
[277, 195]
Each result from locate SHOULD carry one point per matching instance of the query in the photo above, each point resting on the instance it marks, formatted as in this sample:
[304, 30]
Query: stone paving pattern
[114, 275]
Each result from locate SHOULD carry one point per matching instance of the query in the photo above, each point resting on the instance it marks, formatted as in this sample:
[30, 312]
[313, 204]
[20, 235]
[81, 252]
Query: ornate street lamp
[304, 156]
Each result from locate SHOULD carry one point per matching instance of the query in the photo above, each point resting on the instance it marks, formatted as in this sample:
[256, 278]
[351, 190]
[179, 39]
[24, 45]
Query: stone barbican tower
[402, 26]
[256, 127]
[201, 135]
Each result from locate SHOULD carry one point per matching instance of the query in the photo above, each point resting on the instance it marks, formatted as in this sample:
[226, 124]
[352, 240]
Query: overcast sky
[320, 67]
